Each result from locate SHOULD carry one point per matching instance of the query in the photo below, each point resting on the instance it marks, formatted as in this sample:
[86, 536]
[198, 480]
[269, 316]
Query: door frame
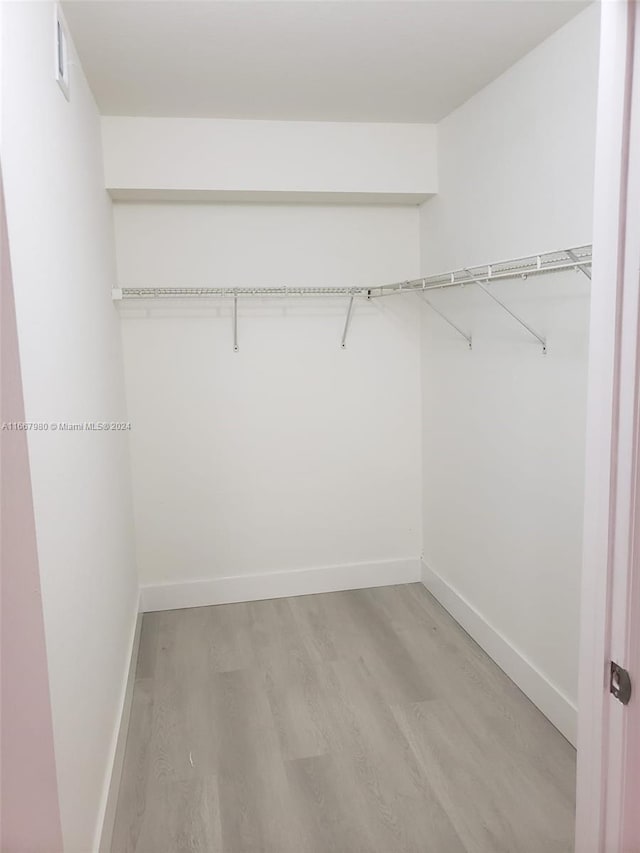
[608, 777]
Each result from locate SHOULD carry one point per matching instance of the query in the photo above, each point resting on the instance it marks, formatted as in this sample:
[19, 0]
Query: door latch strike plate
[620, 683]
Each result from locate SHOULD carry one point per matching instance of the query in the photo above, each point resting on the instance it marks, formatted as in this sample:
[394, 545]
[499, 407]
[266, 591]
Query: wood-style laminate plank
[387, 781]
[352, 721]
[296, 698]
[252, 783]
[148, 648]
[181, 817]
[490, 704]
[359, 630]
[495, 805]
[328, 806]
[134, 785]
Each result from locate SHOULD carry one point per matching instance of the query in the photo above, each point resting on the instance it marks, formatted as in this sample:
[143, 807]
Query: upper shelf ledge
[170, 159]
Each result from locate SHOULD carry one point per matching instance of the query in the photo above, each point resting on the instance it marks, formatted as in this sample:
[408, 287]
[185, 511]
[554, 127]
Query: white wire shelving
[577, 258]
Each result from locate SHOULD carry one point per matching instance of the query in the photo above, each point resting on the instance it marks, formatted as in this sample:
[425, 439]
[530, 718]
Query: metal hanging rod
[574, 258]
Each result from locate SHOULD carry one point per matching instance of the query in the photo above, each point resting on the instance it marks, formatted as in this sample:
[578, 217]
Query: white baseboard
[553, 703]
[228, 590]
[114, 773]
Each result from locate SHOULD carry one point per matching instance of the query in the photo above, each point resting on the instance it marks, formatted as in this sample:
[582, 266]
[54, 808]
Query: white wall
[503, 426]
[61, 244]
[291, 453]
[222, 159]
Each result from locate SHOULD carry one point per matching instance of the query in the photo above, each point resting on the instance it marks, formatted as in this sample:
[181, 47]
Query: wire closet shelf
[564, 259]
[577, 258]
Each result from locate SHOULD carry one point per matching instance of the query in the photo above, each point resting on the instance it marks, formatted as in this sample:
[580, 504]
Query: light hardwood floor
[351, 722]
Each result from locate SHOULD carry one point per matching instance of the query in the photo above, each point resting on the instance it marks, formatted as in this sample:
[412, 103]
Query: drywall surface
[266, 158]
[28, 768]
[61, 242]
[504, 426]
[291, 453]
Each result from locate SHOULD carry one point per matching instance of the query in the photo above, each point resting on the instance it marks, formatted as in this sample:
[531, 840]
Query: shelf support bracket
[447, 320]
[235, 323]
[582, 267]
[347, 322]
[482, 285]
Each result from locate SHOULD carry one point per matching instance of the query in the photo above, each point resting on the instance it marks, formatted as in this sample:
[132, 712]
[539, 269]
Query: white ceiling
[328, 60]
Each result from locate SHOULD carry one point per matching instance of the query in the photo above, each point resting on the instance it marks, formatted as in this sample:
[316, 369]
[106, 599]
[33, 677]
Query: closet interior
[322, 272]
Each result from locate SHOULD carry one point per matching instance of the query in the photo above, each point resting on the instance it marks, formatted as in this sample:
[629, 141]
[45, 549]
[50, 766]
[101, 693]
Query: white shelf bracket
[347, 322]
[482, 285]
[582, 267]
[235, 323]
[447, 320]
